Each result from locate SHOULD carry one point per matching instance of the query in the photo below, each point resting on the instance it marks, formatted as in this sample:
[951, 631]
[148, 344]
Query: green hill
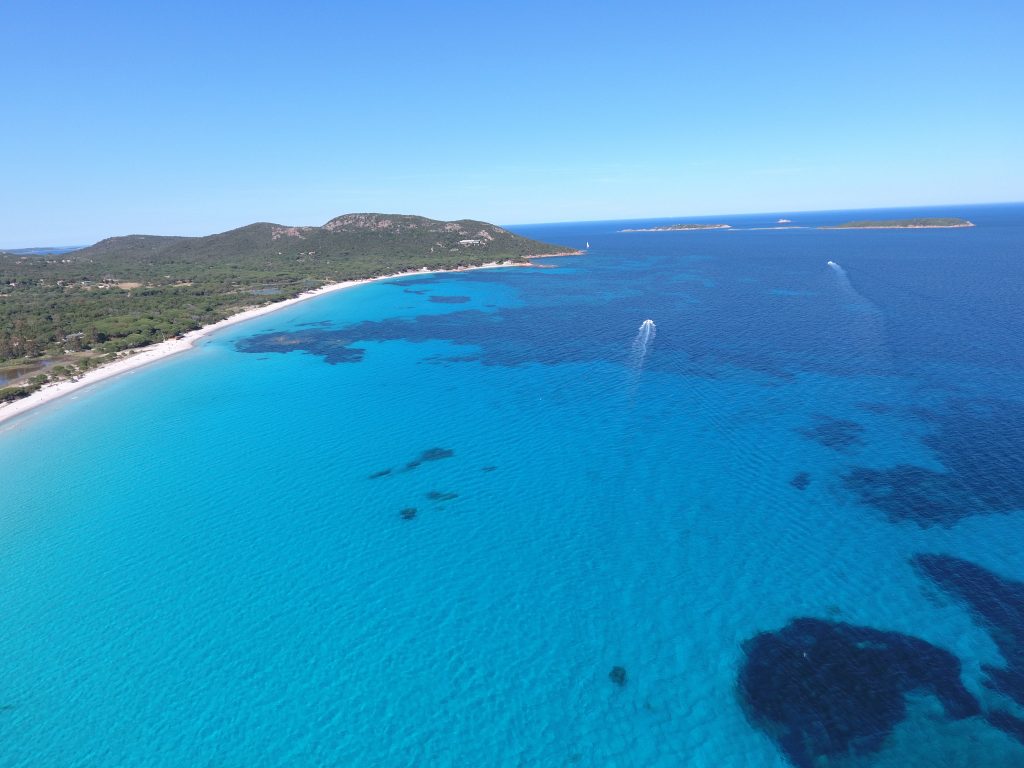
[352, 246]
[130, 291]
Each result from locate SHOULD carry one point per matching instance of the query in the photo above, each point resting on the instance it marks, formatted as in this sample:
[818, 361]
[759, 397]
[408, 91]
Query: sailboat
[588, 243]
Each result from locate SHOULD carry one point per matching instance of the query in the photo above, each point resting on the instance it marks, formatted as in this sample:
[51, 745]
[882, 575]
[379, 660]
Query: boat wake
[757, 229]
[864, 322]
[642, 342]
[844, 281]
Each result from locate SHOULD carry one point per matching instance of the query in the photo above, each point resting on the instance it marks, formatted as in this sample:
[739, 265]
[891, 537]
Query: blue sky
[191, 118]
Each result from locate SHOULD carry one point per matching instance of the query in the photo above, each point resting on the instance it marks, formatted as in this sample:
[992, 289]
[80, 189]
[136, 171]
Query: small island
[941, 222]
[680, 228]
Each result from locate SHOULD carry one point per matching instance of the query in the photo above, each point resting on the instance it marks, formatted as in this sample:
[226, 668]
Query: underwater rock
[436, 454]
[488, 469]
[1009, 682]
[618, 676]
[439, 496]
[876, 408]
[332, 346]
[822, 688]
[980, 445]
[906, 492]
[449, 299]
[995, 603]
[801, 480]
[838, 434]
[1009, 724]
[408, 513]
[431, 454]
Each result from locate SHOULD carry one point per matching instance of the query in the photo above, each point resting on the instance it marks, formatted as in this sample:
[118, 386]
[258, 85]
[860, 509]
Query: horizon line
[549, 223]
[769, 213]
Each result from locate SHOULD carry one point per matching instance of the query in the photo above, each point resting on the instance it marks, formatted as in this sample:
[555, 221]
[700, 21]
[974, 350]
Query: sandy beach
[132, 359]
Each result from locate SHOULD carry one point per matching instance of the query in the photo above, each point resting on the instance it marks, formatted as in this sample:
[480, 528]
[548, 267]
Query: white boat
[783, 221]
[588, 243]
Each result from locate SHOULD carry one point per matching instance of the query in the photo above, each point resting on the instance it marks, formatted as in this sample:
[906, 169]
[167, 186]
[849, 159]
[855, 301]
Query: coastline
[133, 359]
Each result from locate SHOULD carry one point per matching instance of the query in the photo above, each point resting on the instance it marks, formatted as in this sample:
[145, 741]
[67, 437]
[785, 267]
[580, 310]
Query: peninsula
[65, 314]
[918, 223]
[680, 228]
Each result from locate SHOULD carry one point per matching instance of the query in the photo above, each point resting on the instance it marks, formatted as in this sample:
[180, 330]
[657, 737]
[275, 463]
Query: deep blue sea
[487, 519]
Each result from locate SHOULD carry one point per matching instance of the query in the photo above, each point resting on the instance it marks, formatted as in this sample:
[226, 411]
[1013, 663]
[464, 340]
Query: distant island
[679, 228]
[946, 222]
[63, 314]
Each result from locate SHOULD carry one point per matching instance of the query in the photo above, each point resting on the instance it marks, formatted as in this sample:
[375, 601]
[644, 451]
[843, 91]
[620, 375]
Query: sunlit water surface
[422, 522]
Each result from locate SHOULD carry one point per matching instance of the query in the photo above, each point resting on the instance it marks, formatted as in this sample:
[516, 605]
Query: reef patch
[801, 480]
[821, 688]
[837, 434]
[618, 676]
[441, 496]
[997, 605]
[436, 454]
[431, 454]
[980, 445]
[332, 346]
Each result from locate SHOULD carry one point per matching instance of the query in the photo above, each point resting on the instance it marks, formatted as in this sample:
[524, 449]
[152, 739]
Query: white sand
[130, 360]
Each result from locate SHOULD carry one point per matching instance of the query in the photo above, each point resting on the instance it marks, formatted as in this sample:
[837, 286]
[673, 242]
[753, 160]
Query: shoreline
[132, 359]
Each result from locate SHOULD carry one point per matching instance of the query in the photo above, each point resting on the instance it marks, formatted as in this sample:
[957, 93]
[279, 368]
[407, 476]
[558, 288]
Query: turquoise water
[204, 562]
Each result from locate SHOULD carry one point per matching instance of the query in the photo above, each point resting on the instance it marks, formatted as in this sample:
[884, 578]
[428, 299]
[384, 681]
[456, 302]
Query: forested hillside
[129, 291]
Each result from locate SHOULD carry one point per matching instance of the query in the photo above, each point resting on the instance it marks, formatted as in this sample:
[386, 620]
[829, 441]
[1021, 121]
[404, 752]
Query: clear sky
[195, 117]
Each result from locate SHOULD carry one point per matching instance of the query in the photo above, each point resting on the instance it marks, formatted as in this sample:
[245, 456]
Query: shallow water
[210, 560]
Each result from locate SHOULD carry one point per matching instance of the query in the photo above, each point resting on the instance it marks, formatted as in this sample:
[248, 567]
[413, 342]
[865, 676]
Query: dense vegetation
[938, 221]
[127, 292]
